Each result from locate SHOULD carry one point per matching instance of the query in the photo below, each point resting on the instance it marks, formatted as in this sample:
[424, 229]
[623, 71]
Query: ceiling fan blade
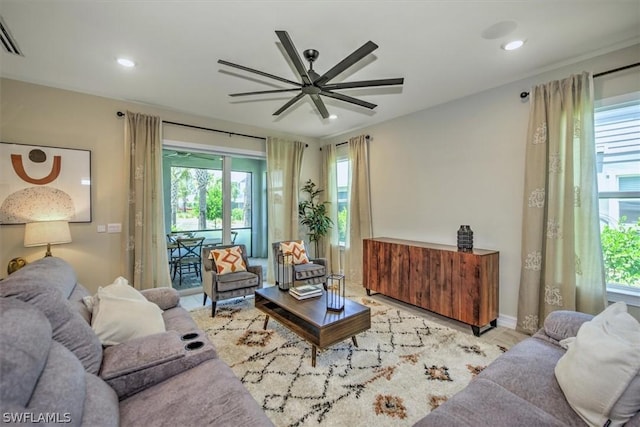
[349, 99]
[320, 106]
[289, 103]
[364, 83]
[262, 73]
[347, 62]
[261, 92]
[293, 55]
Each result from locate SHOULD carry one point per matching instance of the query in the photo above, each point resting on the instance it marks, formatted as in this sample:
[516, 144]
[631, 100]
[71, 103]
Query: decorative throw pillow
[228, 260]
[119, 288]
[599, 373]
[120, 313]
[296, 249]
[121, 319]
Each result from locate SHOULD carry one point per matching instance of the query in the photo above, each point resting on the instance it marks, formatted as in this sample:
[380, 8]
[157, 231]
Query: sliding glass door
[216, 196]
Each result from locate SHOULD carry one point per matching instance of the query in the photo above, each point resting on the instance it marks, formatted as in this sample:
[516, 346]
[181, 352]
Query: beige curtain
[330, 243]
[145, 256]
[359, 223]
[284, 162]
[562, 267]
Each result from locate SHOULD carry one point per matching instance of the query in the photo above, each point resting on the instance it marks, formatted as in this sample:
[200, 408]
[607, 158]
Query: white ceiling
[443, 49]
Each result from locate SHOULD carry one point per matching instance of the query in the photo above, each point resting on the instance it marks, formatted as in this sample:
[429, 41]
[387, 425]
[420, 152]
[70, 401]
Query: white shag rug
[403, 368]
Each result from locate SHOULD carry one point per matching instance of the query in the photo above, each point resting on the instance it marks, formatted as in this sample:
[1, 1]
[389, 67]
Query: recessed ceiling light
[126, 62]
[333, 117]
[513, 45]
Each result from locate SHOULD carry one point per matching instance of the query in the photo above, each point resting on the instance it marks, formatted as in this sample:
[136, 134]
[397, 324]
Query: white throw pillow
[599, 372]
[119, 288]
[121, 312]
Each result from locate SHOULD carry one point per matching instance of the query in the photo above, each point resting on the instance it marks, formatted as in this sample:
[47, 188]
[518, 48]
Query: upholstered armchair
[228, 284]
[310, 273]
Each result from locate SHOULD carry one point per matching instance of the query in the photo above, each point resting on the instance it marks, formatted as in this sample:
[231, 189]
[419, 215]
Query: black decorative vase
[465, 238]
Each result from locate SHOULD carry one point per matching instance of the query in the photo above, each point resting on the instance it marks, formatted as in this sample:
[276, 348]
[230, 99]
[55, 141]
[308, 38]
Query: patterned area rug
[403, 368]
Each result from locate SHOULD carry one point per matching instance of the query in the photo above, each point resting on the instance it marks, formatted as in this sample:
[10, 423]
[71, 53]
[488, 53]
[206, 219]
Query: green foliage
[342, 225]
[237, 214]
[214, 201]
[313, 214]
[621, 251]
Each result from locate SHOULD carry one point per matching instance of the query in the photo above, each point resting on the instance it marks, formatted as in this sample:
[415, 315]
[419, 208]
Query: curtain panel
[359, 223]
[562, 266]
[330, 243]
[146, 263]
[284, 162]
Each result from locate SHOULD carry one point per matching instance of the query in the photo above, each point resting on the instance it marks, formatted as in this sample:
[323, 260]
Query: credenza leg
[476, 330]
[266, 320]
[313, 356]
[355, 342]
[368, 292]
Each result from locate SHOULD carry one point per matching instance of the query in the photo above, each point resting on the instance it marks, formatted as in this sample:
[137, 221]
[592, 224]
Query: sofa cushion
[599, 370]
[41, 378]
[22, 356]
[69, 328]
[239, 280]
[306, 271]
[296, 249]
[485, 403]
[537, 385]
[561, 324]
[118, 319]
[211, 387]
[165, 298]
[143, 362]
[228, 260]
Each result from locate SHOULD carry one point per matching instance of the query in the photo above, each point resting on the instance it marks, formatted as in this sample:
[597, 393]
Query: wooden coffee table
[310, 319]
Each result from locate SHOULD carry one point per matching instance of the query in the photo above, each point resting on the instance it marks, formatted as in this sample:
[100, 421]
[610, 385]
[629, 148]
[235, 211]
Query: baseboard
[507, 321]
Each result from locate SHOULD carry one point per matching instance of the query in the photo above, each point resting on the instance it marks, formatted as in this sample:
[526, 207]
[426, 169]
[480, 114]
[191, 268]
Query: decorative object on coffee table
[465, 238]
[284, 271]
[335, 292]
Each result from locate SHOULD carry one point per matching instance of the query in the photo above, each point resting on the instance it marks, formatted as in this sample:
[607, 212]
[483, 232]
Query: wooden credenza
[439, 278]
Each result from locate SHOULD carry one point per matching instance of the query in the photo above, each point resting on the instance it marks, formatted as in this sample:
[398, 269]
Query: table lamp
[46, 233]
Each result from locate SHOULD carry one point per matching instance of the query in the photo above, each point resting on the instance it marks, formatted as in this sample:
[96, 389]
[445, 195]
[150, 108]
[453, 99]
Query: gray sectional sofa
[53, 368]
[519, 388]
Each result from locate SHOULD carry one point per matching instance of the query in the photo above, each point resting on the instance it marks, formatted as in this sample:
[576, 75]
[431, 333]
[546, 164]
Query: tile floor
[500, 335]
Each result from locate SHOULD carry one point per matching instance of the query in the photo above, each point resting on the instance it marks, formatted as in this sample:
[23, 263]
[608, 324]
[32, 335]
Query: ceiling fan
[314, 84]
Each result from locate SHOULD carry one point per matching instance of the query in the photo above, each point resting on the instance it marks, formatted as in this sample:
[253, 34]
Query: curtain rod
[121, 114]
[523, 95]
[367, 137]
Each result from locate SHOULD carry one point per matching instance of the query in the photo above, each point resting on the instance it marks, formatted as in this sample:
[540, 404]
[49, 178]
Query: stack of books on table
[305, 291]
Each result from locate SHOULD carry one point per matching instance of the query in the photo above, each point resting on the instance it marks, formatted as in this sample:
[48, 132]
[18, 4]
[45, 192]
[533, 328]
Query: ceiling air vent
[8, 43]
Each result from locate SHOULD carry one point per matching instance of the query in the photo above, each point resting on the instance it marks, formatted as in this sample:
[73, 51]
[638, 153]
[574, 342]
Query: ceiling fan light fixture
[125, 62]
[513, 45]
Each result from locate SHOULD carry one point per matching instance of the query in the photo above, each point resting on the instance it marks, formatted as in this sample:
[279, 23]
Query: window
[210, 195]
[617, 135]
[342, 180]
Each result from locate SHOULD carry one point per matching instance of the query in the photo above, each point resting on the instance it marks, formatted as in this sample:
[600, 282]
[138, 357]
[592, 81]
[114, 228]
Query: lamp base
[16, 264]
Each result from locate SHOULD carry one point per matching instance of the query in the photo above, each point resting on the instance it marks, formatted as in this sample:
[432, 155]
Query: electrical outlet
[114, 228]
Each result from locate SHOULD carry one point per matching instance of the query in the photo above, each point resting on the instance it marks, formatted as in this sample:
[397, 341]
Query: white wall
[463, 163]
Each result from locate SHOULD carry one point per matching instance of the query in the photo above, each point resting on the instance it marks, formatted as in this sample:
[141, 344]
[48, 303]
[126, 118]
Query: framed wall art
[39, 183]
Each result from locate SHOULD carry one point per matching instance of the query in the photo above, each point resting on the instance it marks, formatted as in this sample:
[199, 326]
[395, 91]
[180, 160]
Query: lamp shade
[46, 232]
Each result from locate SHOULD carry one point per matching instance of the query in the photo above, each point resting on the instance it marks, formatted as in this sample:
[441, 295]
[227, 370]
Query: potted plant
[313, 214]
